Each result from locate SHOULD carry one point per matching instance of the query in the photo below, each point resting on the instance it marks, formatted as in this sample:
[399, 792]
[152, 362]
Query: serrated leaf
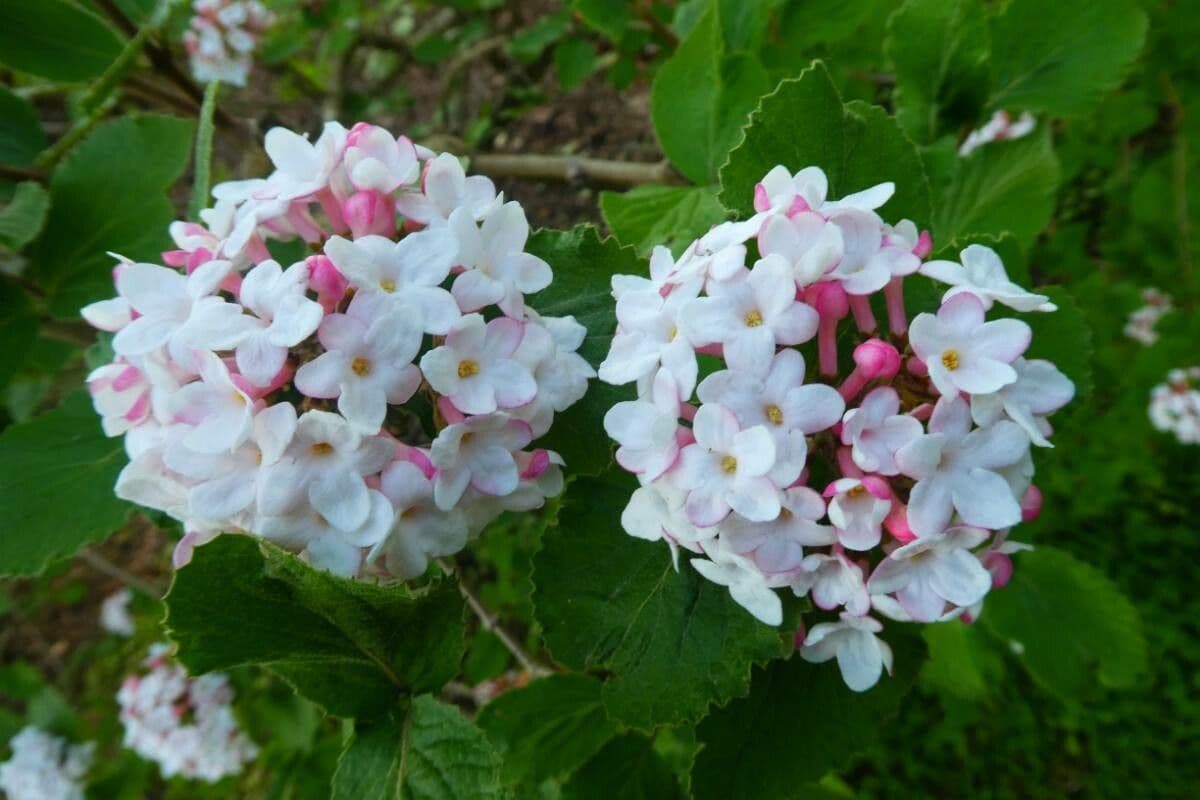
[750, 747]
[804, 123]
[661, 215]
[583, 265]
[22, 219]
[21, 136]
[57, 473]
[673, 641]
[1068, 623]
[354, 648]
[628, 768]
[932, 80]
[1006, 186]
[547, 728]
[55, 39]
[700, 100]
[100, 202]
[430, 751]
[1059, 58]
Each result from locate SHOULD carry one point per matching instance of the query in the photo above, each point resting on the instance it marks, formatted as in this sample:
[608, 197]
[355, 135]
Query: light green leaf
[429, 751]
[57, 473]
[700, 100]
[55, 39]
[22, 219]
[1068, 623]
[609, 18]
[100, 202]
[547, 728]
[529, 44]
[1003, 186]
[962, 661]
[21, 136]
[583, 265]
[668, 215]
[1059, 58]
[354, 648]
[628, 768]
[933, 80]
[750, 749]
[803, 123]
[673, 641]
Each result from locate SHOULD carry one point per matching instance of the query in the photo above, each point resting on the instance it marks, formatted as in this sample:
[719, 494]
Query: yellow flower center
[321, 449]
[857, 491]
[729, 465]
[467, 368]
[775, 414]
[361, 367]
[753, 318]
[673, 334]
[950, 360]
[388, 285]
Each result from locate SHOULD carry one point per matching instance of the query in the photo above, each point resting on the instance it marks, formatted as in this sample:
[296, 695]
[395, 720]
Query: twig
[71, 333]
[53, 154]
[573, 168]
[102, 564]
[11, 173]
[489, 622]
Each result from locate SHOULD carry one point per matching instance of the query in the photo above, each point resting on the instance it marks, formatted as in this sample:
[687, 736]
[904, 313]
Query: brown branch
[11, 173]
[575, 168]
[103, 565]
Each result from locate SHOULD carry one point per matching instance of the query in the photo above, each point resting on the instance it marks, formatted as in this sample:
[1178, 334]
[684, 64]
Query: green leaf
[22, 219]
[202, 171]
[700, 100]
[574, 61]
[18, 329]
[547, 728]
[931, 80]
[529, 44]
[609, 18]
[1059, 58]
[1004, 186]
[803, 123]
[743, 22]
[751, 748]
[430, 752]
[354, 648]
[962, 661]
[57, 473]
[1063, 337]
[1068, 623]
[583, 265]
[668, 215]
[674, 642]
[21, 136]
[628, 768]
[55, 39]
[100, 202]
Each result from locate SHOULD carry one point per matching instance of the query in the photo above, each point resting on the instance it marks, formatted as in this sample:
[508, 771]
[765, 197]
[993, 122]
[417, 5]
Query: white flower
[964, 353]
[285, 317]
[777, 546]
[807, 241]
[876, 430]
[647, 430]
[861, 655]
[497, 268]
[930, 572]
[834, 581]
[1040, 390]
[44, 767]
[475, 370]
[377, 161]
[1001, 126]
[857, 509]
[446, 188]
[727, 469]
[982, 274]
[121, 395]
[958, 471]
[782, 192]
[421, 530]
[655, 512]
[477, 453]
[367, 362]
[649, 337]
[219, 412]
[114, 613]
[747, 586]
[303, 168]
[332, 547]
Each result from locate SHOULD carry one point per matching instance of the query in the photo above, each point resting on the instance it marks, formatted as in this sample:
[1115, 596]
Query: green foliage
[21, 136]
[574, 60]
[18, 329]
[427, 752]
[673, 641]
[628, 768]
[57, 473]
[55, 39]
[22, 219]
[669, 215]
[1064, 338]
[350, 647]
[1094, 625]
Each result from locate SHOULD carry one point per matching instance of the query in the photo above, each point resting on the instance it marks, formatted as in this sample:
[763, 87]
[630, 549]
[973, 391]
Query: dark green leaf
[574, 60]
[528, 45]
[962, 660]
[22, 219]
[627, 768]
[57, 473]
[55, 39]
[18, 329]
[668, 215]
[354, 648]
[674, 642]
[21, 137]
[1063, 337]
[609, 18]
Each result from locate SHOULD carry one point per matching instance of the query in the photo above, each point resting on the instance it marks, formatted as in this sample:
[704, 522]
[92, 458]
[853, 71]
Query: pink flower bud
[924, 245]
[539, 462]
[896, 523]
[877, 359]
[917, 367]
[1031, 504]
[1001, 568]
[327, 281]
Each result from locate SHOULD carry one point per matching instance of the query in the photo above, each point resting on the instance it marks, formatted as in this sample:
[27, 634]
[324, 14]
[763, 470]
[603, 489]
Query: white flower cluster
[371, 406]
[927, 439]
[221, 38]
[1141, 324]
[44, 767]
[1175, 405]
[1001, 126]
[185, 725]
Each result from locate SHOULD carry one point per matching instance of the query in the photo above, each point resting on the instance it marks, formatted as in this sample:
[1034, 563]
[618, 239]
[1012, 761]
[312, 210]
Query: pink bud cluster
[887, 485]
[221, 38]
[45, 767]
[185, 725]
[1000, 127]
[1175, 405]
[372, 405]
[1141, 324]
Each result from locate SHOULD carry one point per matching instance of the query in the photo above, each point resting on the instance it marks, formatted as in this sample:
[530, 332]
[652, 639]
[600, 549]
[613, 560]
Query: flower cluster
[922, 449]
[1175, 405]
[1142, 322]
[222, 36]
[1001, 126]
[185, 725]
[44, 767]
[372, 405]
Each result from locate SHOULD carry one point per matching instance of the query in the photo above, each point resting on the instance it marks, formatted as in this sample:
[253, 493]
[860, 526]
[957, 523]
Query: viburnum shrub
[373, 404]
[887, 485]
[1175, 405]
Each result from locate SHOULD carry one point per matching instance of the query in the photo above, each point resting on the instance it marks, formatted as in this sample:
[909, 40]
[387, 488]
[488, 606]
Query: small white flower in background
[45, 767]
[1001, 126]
[1175, 405]
[1141, 324]
[922, 444]
[184, 725]
[114, 613]
[221, 38]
